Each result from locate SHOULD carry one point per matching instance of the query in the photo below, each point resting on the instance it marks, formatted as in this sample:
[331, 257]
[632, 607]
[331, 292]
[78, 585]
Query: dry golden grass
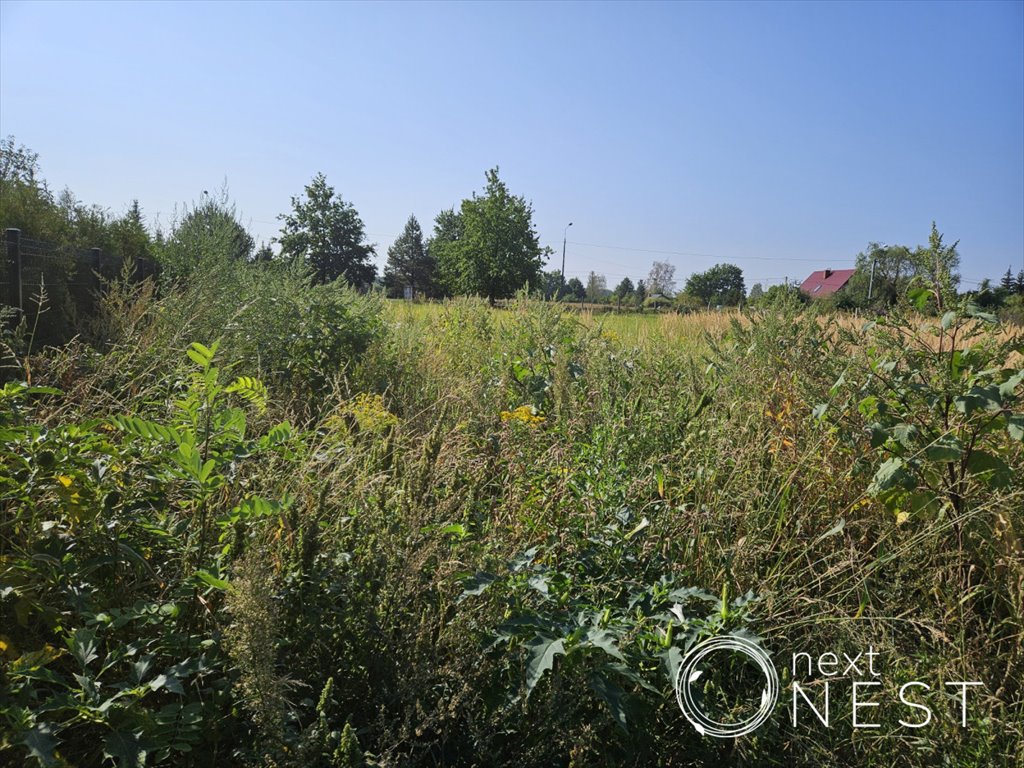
[641, 329]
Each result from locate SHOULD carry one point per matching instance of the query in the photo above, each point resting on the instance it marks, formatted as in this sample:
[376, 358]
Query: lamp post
[565, 234]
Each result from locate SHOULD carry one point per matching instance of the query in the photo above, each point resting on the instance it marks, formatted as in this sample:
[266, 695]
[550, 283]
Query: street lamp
[565, 234]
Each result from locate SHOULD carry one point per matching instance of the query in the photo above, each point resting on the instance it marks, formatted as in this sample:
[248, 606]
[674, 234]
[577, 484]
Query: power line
[698, 255]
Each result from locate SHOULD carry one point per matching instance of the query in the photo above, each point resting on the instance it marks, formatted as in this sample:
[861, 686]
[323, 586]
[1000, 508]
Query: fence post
[13, 240]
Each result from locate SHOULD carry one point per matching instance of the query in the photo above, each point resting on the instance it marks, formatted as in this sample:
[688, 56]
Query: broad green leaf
[82, 644]
[276, 435]
[201, 354]
[41, 743]
[945, 448]
[892, 474]
[919, 298]
[539, 583]
[992, 468]
[1009, 387]
[208, 578]
[947, 319]
[905, 434]
[1015, 426]
[542, 652]
[603, 639]
[207, 468]
[973, 310]
[126, 749]
[523, 560]
[613, 696]
[476, 584]
[34, 660]
[868, 407]
[458, 530]
[673, 658]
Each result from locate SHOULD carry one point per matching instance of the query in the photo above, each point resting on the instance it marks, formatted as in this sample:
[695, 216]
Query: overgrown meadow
[255, 522]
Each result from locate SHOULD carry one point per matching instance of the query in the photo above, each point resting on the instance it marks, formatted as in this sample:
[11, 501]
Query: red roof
[826, 281]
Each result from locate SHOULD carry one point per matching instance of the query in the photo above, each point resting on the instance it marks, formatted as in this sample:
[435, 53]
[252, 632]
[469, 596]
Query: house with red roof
[825, 282]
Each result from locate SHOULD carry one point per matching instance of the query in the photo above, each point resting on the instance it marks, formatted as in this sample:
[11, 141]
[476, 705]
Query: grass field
[352, 533]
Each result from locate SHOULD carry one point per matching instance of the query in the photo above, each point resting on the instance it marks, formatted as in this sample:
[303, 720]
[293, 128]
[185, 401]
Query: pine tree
[640, 293]
[409, 263]
[1007, 281]
[1018, 284]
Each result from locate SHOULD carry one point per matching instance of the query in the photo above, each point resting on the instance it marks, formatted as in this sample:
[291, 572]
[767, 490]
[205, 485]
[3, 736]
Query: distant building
[825, 282]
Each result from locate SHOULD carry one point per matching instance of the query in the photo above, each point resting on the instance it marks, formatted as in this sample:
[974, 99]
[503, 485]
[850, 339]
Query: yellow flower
[525, 414]
[370, 412]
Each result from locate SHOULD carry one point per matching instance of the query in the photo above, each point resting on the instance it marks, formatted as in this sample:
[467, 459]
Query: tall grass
[373, 563]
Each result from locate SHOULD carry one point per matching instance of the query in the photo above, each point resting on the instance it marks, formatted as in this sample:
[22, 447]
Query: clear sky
[780, 137]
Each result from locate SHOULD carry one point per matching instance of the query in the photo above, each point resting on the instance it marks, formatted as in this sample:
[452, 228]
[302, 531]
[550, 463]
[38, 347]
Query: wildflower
[525, 414]
[369, 412]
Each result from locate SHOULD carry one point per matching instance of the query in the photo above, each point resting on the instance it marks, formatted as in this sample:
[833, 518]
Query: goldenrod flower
[525, 414]
[370, 412]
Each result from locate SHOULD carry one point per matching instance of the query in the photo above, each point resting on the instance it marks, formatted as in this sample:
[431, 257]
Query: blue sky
[780, 137]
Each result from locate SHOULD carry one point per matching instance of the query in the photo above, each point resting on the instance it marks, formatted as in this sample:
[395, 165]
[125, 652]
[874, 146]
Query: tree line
[487, 245]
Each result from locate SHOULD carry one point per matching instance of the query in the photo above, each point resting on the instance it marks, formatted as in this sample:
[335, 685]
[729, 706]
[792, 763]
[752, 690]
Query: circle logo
[688, 674]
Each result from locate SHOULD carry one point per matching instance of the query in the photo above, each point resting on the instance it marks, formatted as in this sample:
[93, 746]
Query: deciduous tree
[596, 287]
[492, 249]
[207, 233]
[661, 279]
[575, 289]
[722, 284]
[938, 266]
[326, 233]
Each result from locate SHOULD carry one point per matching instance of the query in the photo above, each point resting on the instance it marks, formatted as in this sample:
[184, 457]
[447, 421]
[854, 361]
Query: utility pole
[871, 280]
[565, 234]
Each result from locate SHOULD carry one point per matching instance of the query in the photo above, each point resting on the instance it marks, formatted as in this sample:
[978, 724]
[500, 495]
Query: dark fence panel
[56, 288]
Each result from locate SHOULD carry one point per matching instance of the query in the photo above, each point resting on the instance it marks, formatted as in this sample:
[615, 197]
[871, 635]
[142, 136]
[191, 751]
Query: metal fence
[56, 289]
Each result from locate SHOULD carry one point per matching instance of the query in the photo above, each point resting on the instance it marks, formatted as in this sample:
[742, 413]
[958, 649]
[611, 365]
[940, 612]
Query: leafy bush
[480, 540]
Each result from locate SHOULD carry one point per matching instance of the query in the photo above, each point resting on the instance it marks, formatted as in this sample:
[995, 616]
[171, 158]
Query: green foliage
[551, 284]
[574, 289]
[894, 267]
[410, 264]
[780, 297]
[937, 268]
[624, 290]
[26, 202]
[597, 287]
[58, 293]
[943, 414]
[206, 235]
[113, 571]
[640, 294]
[490, 247]
[625, 638]
[272, 320]
[722, 284]
[475, 537]
[325, 233]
